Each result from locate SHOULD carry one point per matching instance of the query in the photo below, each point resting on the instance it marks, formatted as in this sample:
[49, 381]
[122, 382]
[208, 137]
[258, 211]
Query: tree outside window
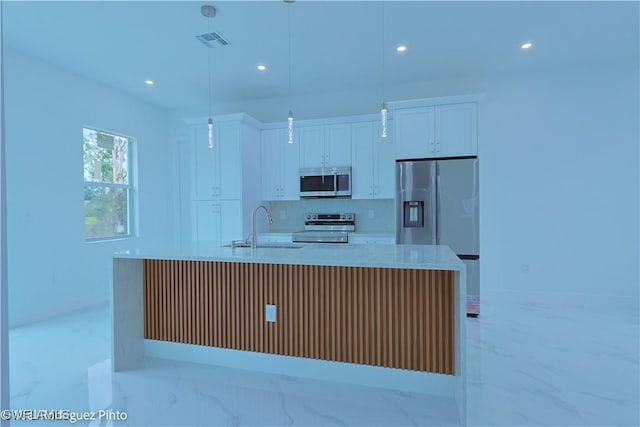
[107, 188]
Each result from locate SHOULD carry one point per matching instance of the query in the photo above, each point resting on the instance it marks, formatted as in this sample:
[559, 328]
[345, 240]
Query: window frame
[129, 188]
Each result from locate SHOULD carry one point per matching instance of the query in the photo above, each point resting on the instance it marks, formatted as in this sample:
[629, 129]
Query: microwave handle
[335, 184]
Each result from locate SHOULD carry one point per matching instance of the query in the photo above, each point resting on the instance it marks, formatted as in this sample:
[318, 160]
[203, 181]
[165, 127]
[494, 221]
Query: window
[107, 185]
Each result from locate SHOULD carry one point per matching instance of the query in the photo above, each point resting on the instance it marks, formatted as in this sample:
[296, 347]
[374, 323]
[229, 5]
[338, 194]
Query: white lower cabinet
[275, 238]
[372, 239]
[217, 221]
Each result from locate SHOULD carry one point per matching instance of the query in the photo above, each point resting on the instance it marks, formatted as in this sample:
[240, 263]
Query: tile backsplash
[373, 216]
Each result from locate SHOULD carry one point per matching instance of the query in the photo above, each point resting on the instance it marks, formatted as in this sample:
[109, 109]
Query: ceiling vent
[213, 39]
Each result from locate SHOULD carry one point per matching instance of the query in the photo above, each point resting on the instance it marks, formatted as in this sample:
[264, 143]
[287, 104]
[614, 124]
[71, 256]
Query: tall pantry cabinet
[225, 179]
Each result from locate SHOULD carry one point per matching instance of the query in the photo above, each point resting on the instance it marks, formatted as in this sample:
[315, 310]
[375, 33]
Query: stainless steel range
[326, 228]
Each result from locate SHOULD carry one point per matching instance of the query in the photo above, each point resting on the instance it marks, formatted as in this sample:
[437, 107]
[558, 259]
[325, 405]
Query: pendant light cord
[290, 72]
[209, 64]
[383, 49]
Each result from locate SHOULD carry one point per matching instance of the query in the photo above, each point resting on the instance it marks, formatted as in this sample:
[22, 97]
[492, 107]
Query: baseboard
[575, 300]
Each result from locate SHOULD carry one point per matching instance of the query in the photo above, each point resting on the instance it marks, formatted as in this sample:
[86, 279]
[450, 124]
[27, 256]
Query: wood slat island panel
[397, 318]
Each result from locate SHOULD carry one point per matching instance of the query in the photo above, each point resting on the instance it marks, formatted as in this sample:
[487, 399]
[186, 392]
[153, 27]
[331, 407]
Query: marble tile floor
[64, 364]
[532, 361]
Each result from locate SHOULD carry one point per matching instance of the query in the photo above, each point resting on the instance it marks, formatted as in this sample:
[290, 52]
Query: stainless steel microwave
[325, 182]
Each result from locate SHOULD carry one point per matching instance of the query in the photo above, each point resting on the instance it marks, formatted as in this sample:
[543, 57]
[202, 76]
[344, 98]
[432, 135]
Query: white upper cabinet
[280, 165]
[456, 130]
[436, 131]
[205, 176]
[362, 168]
[217, 171]
[415, 133]
[337, 145]
[311, 146]
[325, 146]
[290, 157]
[362, 156]
[373, 162]
[270, 150]
[384, 165]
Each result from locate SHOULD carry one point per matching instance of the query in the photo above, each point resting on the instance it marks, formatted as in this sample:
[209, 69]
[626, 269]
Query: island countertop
[422, 257]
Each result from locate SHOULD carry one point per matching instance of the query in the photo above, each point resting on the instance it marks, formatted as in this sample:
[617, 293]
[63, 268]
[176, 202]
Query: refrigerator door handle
[438, 213]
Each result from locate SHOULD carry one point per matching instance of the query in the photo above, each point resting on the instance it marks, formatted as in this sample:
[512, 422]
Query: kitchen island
[380, 315]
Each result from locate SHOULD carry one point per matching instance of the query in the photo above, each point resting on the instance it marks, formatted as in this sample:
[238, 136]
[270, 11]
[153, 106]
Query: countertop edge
[419, 257]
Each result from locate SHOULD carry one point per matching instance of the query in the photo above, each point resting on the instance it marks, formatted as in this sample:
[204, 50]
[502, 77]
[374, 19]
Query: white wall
[51, 268]
[559, 181]
[4, 318]
[558, 172]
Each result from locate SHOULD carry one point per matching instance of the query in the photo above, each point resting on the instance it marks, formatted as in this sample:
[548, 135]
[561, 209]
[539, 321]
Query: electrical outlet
[371, 214]
[270, 313]
[525, 267]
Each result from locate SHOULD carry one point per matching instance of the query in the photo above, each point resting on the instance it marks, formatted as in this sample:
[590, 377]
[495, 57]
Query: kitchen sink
[282, 245]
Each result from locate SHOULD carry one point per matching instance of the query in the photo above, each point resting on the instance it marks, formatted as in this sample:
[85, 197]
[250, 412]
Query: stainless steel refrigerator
[437, 204]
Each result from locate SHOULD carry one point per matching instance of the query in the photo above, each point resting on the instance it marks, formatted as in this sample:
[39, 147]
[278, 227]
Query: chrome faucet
[254, 238]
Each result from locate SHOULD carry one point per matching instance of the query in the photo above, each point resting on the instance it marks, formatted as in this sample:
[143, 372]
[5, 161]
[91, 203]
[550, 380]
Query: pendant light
[383, 107]
[209, 12]
[290, 116]
[290, 127]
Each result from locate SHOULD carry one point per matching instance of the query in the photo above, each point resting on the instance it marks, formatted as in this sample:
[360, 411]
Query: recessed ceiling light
[262, 67]
[149, 82]
[527, 45]
[401, 49]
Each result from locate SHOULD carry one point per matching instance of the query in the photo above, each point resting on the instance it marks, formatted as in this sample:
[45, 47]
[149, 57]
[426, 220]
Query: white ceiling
[335, 44]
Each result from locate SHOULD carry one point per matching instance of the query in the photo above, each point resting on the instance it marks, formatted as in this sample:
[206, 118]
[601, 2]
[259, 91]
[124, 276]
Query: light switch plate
[270, 313]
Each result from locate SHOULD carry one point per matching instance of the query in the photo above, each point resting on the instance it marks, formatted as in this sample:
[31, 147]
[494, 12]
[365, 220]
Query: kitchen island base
[392, 326]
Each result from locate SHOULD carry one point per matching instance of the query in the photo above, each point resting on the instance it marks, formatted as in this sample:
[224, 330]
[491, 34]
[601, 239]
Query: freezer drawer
[473, 286]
